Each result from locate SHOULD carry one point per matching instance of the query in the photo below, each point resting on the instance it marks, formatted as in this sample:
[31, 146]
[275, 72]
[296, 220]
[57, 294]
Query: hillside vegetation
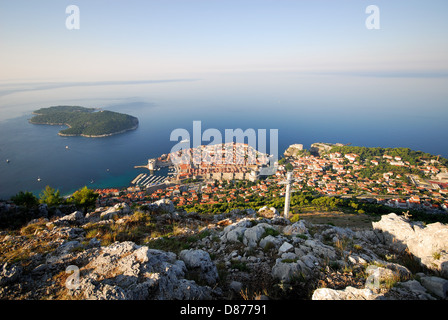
[406, 154]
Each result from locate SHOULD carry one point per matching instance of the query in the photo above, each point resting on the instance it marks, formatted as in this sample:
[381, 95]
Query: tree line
[83, 198]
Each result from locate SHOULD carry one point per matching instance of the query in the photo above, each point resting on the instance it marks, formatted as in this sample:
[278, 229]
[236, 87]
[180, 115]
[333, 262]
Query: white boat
[38, 179]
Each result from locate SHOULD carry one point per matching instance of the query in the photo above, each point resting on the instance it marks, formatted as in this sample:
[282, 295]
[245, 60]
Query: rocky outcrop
[125, 271]
[293, 150]
[348, 293]
[320, 148]
[427, 243]
[163, 205]
[76, 217]
[236, 251]
[117, 210]
[436, 285]
[9, 274]
[199, 261]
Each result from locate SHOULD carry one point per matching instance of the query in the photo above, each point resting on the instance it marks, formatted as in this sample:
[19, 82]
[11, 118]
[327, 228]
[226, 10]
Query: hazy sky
[139, 40]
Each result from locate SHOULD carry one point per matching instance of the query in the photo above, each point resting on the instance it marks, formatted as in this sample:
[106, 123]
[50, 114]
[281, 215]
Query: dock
[148, 180]
[146, 167]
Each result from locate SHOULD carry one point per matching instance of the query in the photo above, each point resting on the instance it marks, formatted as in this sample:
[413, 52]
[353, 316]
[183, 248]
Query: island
[86, 122]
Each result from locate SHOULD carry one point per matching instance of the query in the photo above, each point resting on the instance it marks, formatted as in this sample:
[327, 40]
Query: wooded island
[86, 122]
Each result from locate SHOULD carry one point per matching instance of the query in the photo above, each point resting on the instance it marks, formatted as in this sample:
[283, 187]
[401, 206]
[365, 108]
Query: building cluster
[228, 161]
[333, 174]
[339, 175]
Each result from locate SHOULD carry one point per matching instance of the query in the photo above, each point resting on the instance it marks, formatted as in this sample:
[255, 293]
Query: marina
[148, 180]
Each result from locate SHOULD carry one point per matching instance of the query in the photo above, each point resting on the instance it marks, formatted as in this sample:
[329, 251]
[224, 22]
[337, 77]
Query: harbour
[148, 180]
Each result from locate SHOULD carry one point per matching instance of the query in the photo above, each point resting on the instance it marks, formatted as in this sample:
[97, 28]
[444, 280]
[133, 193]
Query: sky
[167, 39]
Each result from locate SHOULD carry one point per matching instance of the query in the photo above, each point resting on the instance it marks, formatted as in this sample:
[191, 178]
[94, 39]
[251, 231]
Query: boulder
[109, 214]
[435, 285]
[119, 209]
[199, 260]
[285, 247]
[131, 272]
[64, 252]
[269, 240]
[162, 205]
[296, 228]
[310, 260]
[76, 217]
[9, 273]
[349, 293]
[236, 286]
[253, 235]
[70, 233]
[394, 230]
[320, 249]
[416, 289]
[409, 290]
[286, 271]
[428, 243]
[102, 291]
[235, 232]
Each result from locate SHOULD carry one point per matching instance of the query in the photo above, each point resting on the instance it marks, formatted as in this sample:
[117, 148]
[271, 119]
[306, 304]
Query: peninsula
[86, 122]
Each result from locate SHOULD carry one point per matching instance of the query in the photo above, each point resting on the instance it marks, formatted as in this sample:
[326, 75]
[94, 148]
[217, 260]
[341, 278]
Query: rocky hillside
[119, 253]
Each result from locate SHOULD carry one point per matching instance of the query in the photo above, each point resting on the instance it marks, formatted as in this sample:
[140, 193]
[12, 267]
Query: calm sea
[363, 111]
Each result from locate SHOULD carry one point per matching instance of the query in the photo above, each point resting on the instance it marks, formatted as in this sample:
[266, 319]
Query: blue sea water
[363, 111]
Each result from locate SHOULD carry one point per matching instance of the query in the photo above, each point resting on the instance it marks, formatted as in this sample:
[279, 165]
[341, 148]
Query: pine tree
[50, 197]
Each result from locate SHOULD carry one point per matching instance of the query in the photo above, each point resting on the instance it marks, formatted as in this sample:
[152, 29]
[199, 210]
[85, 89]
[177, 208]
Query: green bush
[295, 218]
[26, 199]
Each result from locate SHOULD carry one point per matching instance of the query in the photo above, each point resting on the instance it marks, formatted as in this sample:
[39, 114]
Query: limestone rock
[236, 286]
[109, 214]
[435, 285]
[269, 240]
[428, 243]
[235, 231]
[286, 271]
[162, 205]
[395, 230]
[415, 290]
[235, 234]
[310, 260]
[128, 271]
[200, 260]
[73, 218]
[9, 273]
[119, 209]
[70, 233]
[253, 235]
[285, 247]
[320, 249]
[296, 228]
[349, 293]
